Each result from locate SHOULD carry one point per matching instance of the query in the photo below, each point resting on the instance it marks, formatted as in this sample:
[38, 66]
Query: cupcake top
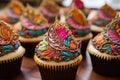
[77, 20]
[108, 41]
[16, 9]
[59, 45]
[33, 23]
[13, 12]
[8, 39]
[103, 16]
[50, 8]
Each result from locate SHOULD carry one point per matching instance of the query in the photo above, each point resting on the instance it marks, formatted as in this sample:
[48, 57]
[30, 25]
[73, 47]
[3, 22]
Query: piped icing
[33, 23]
[8, 39]
[78, 22]
[15, 10]
[50, 10]
[109, 40]
[79, 4]
[104, 16]
[58, 45]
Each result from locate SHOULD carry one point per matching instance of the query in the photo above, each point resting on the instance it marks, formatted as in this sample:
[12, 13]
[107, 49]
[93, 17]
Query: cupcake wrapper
[105, 66]
[30, 48]
[83, 49]
[11, 67]
[58, 72]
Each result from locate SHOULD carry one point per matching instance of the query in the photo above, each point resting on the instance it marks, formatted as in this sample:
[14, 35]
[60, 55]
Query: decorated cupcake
[101, 18]
[50, 10]
[11, 52]
[31, 28]
[104, 50]
[13, 12]
[79, 4]
[58, 55]
[79, 27]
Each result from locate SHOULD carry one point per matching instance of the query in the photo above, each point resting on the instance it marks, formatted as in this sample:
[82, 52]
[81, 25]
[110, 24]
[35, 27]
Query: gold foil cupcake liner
[58, 65]
[91, 49]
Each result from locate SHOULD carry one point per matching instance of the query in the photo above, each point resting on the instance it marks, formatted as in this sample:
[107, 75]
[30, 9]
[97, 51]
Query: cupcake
[31, 28]
[50, 10]
[13, 12]
[79, 4]
[104, 50]
[58, 55]
[101, 18]
[11, 52]
[79, 26]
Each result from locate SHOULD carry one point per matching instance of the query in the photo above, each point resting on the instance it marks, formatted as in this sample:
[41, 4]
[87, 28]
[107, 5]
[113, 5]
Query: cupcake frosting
[50, 8]
[109, 40]
[8, 39]
[14, 11]
[33, 23]
[78, 22]
[58, 45]
[104, 16]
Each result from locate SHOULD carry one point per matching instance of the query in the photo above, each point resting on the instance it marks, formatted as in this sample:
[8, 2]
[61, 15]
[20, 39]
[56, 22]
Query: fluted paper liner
[58, 65]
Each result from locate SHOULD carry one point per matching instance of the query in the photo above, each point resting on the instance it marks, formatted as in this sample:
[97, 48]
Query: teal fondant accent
[44, 30]
[106, 45]
[68, 59]
[87, 31]
[14, 20]
[80, 32]
[63, 57]
[7, 51]
[69, 38]
[33, 33]
[76, 54]
[68, 54]
[118, 47]
[97, 23]
[109, 50]
[67, 43]
[16, 46]
[8, 47]
[39, 32]
[106, 22]
[112, 27]
[22, 34]
[83, 32]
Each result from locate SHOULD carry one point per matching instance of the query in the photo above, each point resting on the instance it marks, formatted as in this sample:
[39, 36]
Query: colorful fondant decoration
[78, 22]
[33, 23]
[59, 44]
[50, 10]
[109, 40]
[14, 11]
[104, 16]
[8, 39]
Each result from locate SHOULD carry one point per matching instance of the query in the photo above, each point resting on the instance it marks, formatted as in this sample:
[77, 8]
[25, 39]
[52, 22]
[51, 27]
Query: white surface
[99, 3]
